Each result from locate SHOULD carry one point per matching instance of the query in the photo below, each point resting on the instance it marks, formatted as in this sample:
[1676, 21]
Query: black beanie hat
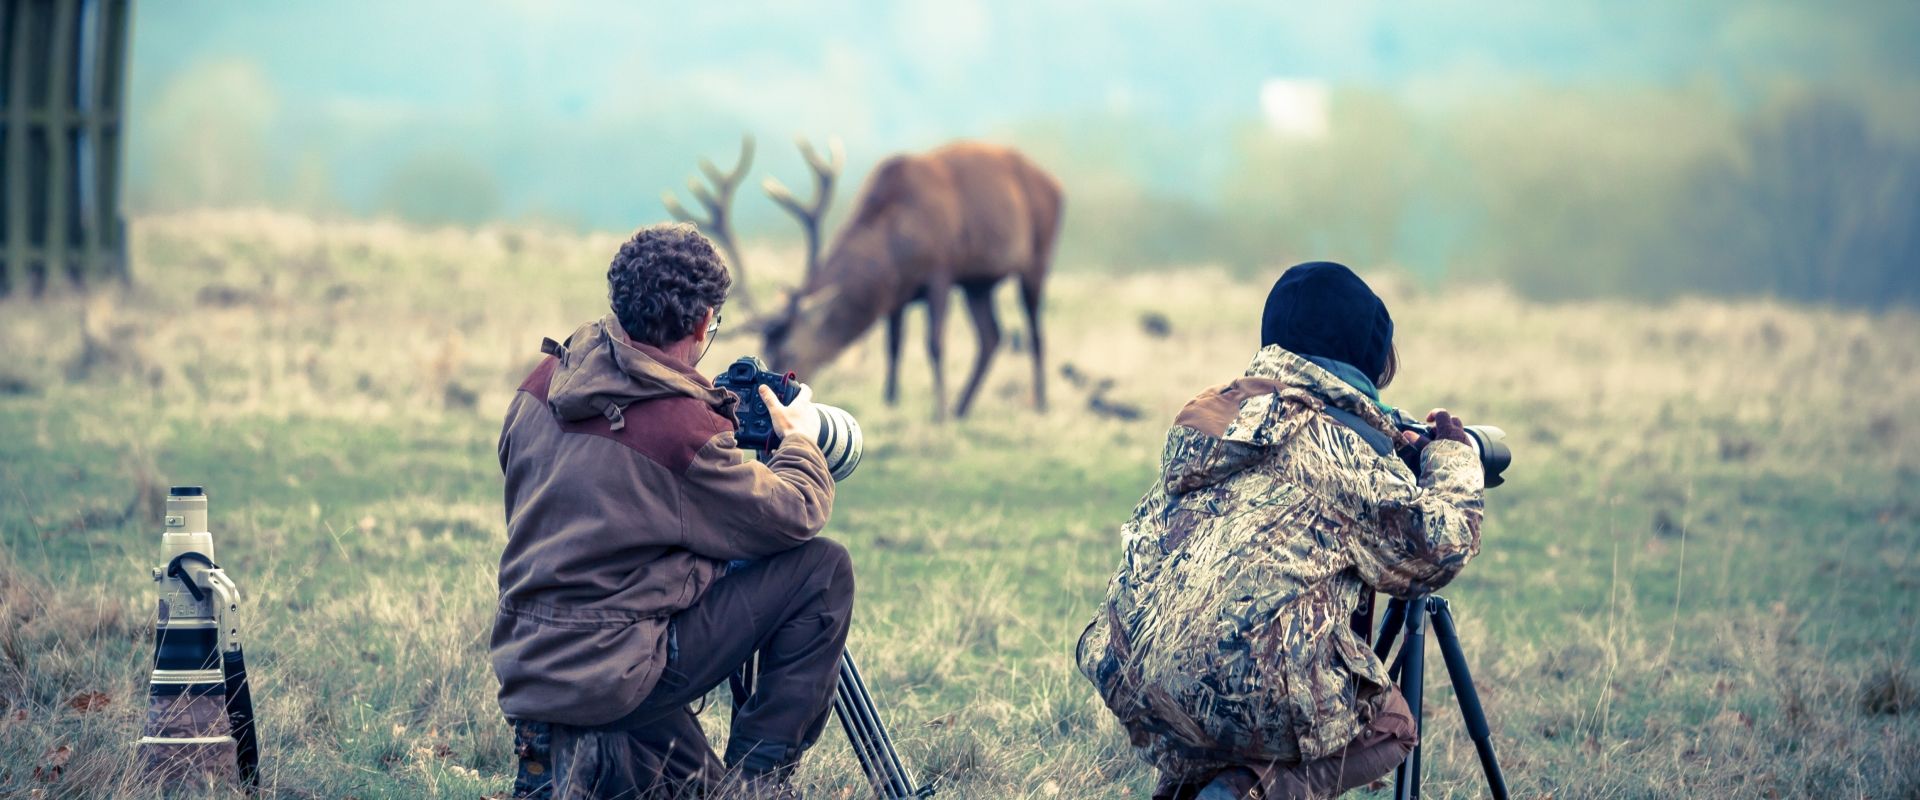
[1322, 309]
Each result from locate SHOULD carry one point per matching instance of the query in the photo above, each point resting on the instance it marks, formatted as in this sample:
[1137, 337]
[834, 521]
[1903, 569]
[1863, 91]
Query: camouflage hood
[1260, 410]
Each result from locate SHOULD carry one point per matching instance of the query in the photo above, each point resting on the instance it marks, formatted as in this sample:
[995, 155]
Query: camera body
[1489, 443]
[839, 437]
[744, 377]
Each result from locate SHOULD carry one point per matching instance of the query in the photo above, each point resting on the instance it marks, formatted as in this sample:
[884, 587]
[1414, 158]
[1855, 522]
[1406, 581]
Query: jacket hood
[602, 371]
[1227, 428]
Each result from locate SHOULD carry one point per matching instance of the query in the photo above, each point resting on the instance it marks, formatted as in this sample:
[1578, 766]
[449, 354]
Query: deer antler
[718, 201]
[825, 170]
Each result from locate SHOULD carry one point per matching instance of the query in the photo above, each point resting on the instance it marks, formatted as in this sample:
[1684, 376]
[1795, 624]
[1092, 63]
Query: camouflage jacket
[1225, 637]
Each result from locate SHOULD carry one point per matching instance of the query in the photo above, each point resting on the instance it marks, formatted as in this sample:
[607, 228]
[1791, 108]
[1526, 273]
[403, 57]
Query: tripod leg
[1406, 778]
[857, 738]
[868, 737]
[887, 774]
[740, 683]
[1476, 717]
[1390, 627]
[899, 769]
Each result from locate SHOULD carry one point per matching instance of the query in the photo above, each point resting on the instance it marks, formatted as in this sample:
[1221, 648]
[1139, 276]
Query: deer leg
[937, 297]
[1030, 299]
[986, 328]
[894, 322]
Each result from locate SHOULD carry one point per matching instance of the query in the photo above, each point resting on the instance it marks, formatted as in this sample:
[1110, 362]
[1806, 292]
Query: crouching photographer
[1224, 645]
[627, 499]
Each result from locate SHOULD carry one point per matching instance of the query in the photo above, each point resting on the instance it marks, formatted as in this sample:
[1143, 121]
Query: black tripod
[1409, 671]
[866, 734]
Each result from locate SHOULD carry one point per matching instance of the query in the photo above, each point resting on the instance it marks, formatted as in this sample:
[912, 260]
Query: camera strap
[1362, 619]
[1380, 442]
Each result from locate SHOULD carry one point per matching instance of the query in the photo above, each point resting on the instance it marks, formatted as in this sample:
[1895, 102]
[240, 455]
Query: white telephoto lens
[840, 440]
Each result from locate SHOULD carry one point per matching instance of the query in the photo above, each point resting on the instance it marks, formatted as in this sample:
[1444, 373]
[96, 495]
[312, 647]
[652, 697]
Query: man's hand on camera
[1448, 426]
[798, 418]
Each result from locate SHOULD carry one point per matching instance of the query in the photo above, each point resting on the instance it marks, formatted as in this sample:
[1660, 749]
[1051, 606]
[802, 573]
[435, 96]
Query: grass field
[1702, 579]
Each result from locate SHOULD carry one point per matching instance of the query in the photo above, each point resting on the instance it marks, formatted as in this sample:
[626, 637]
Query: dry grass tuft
[1889, 689]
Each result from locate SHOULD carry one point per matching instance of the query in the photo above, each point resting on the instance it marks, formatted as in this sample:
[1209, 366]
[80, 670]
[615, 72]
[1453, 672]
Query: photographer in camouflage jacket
[1224, 645]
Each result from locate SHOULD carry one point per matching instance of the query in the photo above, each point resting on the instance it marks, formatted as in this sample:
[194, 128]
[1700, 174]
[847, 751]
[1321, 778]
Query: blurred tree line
[1560, 194]
[1642, 192]
[1813, 205]
[217, 135]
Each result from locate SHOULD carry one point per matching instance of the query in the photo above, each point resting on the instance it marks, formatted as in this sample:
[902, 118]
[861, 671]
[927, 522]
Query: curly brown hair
[663, 281]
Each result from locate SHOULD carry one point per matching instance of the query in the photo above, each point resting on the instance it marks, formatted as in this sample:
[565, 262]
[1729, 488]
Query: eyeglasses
[712, 328]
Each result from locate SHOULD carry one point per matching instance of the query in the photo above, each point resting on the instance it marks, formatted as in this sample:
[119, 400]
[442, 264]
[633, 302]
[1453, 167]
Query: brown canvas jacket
[626, 496]
[1225, 637]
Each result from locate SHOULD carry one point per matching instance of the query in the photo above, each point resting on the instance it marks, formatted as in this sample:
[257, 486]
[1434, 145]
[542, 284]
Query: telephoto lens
[839, 439]
[200, 720]
[1489, 444]
[1495, 456]
[839, 436]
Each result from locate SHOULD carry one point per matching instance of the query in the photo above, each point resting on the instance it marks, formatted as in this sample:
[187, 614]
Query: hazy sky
[584, 110]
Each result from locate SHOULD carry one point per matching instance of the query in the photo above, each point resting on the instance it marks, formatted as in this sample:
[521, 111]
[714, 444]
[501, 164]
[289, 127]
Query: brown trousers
[1381, 746]
[793, 608]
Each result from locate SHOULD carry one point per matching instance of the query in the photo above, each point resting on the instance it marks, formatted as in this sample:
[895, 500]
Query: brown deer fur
[966, 215]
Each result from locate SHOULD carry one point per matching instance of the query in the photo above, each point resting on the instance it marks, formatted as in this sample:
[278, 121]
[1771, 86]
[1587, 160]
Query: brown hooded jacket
[626, 497]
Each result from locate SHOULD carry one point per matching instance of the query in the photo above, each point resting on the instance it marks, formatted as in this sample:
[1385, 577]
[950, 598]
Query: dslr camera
[1489, 443]
[839, 435]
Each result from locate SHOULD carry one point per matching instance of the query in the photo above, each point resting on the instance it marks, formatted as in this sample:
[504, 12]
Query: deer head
[800, 309]
[785, 346]
[797, 337]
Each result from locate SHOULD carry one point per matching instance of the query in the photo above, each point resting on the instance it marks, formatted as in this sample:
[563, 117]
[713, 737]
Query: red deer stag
[966, 215]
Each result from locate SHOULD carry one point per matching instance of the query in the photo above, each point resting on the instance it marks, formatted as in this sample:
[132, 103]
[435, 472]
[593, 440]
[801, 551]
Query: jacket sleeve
[737, 507]
[1423, 532]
